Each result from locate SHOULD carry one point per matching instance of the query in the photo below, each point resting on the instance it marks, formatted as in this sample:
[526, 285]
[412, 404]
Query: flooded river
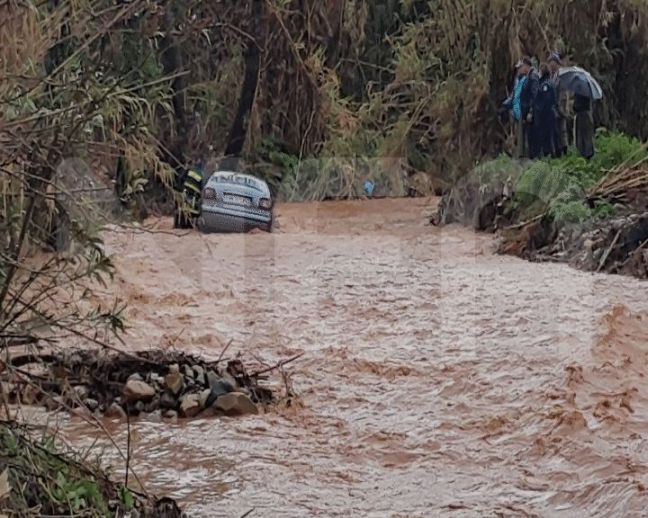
[437, 379]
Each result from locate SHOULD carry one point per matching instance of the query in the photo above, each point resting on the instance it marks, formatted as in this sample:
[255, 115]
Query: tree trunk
[173, 65]
[239, 129]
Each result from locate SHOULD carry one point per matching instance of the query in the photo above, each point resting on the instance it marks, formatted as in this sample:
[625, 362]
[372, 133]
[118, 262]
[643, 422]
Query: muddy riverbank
[438, 379]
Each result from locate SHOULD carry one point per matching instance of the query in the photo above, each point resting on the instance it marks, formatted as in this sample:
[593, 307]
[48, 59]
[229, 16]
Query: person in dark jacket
[584, 126]
[561, 134]
[530, 90]
[544, 117]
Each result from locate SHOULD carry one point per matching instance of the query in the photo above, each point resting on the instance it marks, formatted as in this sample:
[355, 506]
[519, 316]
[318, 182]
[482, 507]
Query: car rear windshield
[241, 180]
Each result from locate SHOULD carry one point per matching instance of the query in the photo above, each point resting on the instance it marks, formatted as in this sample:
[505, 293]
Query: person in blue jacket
[521, 104]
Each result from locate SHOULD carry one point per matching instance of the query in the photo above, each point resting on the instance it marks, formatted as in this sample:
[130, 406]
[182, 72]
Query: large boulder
[190, 405]
[137, 391]
[204, 398]
[174, 382]
[218, 389]
[235, 404]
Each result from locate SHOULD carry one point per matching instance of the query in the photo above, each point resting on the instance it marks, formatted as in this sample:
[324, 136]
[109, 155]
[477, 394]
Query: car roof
[255, 181]
[234, 173]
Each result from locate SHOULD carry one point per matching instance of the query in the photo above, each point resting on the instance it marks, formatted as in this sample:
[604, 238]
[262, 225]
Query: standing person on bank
[584, 126]
[561, 133]
[527, 101]
[520, 104]
[544, 116]
[514, 105]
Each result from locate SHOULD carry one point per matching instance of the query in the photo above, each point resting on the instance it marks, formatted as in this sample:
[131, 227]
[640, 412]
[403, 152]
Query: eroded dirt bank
[438, 379]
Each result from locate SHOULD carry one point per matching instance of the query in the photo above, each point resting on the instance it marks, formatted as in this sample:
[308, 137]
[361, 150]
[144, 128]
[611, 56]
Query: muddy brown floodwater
[437, 379]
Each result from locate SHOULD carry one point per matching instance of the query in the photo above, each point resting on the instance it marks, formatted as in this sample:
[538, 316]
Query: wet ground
[437, 379]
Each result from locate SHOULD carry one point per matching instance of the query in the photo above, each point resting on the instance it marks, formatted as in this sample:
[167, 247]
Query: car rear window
[240, 180]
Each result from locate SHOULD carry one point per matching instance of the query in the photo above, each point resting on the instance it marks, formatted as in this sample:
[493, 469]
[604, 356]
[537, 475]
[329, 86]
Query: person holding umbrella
[584, 126]
[586, 89]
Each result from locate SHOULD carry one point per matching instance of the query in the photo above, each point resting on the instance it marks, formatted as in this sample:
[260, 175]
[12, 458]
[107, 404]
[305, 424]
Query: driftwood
[276, 366]
[608, 251]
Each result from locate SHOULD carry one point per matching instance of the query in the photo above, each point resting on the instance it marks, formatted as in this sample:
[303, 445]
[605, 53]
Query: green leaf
[127, 499]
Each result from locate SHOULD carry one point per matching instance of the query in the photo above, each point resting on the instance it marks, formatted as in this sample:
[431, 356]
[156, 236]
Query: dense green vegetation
[284, 82]
[561, 186]
[563, 190]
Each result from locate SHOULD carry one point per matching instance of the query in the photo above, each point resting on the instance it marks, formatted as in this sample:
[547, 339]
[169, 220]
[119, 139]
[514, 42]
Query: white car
[235, 202]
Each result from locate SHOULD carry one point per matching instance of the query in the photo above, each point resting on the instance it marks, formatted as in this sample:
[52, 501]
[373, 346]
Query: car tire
[268, 228]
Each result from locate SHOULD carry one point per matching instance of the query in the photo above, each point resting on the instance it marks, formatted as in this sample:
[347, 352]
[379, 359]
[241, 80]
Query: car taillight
[209, 194]
[265, 203]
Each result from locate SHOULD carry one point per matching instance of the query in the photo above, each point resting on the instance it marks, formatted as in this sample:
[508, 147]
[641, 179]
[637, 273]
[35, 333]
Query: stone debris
[168, 385]
[138, 391]
[235, 404]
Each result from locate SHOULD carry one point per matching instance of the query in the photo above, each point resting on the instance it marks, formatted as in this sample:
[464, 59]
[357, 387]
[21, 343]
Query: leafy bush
[541, 182]
[614, 149]
[502, 168]
[559, 185]
[584, 172]
[574, 211]
[564, 211]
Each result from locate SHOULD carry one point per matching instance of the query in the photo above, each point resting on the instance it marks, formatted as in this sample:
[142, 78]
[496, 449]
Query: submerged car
[235, 202]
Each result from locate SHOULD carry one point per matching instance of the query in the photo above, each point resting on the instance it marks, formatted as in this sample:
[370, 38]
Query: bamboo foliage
[63, 117]
[453, 64]
[416, 82]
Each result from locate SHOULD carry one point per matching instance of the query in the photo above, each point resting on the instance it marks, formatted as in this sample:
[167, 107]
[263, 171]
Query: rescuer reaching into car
[223, 201]
[187, 209]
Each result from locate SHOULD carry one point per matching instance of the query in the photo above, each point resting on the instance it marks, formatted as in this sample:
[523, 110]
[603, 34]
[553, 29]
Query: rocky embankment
[615, 246]
[491, 199]
[115, 385]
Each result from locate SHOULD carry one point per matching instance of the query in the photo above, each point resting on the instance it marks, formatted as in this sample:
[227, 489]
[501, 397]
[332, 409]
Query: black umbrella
[581, 82]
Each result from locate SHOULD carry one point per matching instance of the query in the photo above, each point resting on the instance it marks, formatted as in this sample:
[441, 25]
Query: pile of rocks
[185, 394]
[116, 385]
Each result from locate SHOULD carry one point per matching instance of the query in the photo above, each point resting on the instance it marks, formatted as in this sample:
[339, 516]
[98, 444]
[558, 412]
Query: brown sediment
[437, 378]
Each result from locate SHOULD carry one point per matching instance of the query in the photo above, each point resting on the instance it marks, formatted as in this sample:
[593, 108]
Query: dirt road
[437, 379]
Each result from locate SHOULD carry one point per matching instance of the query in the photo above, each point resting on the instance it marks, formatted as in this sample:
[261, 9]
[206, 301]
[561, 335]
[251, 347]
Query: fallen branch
[124, 228]
[608, 251]
[277, 366]
[632, 255]
[225, 350]
[525, 223]
[26, 359]
[18, 341]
